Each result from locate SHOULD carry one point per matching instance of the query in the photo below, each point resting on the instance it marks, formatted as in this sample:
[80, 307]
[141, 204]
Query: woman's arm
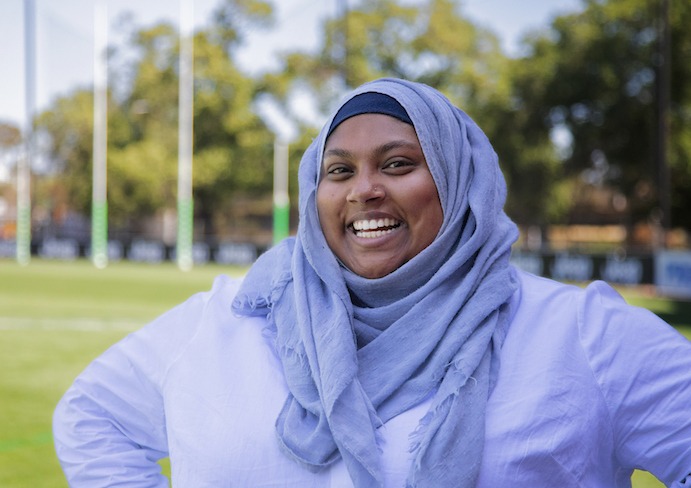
[643, 367]
[110, 426]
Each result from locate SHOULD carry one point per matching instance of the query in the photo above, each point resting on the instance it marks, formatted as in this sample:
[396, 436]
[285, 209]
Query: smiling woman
[389, 343]
[378, 204]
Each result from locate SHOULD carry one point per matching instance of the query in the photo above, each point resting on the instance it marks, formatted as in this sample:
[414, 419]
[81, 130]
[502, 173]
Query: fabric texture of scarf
[357, 352]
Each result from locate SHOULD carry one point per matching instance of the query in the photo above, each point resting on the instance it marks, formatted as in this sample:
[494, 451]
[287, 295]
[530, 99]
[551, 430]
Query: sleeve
[109, 428]
[643, 367]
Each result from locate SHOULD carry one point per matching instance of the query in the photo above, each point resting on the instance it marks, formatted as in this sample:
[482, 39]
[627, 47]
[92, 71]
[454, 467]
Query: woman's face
[377, 202]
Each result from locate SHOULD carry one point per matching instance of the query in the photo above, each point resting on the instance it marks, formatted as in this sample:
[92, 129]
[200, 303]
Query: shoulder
[183, 319]
[593, 330]
[621, 357]
[591, 309]
[157, 345]
[542, 305]
[223, 288]
[596, 317]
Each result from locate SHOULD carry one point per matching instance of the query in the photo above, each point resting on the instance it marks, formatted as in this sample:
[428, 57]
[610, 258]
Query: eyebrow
[384, 148]
[341, 153]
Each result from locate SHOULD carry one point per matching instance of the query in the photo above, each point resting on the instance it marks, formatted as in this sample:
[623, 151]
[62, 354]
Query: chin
[373, 272]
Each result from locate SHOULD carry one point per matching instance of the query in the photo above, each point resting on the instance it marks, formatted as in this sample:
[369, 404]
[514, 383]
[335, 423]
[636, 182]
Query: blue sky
[65, 36]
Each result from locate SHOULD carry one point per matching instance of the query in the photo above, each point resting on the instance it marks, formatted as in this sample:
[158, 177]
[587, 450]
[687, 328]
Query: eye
[397, 163]
[399, 166]
[337, 171]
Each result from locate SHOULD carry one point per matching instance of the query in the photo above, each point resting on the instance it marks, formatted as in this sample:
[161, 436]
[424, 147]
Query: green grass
[122, 292]
[55, 317]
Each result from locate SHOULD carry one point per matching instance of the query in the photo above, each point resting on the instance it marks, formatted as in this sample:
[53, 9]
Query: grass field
[55, 317]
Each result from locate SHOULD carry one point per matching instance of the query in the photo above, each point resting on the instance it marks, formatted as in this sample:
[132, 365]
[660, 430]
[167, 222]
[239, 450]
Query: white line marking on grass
[79, 324]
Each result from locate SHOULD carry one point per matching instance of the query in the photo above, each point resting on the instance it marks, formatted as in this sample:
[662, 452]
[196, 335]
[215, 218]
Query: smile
[369, 229]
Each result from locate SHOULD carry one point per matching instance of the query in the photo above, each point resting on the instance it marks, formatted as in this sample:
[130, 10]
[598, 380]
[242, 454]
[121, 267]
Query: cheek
[325, 208]
[430, 212]
[330, 196]
[322, 201]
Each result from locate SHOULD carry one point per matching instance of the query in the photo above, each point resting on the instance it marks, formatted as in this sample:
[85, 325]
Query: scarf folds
[357, 352]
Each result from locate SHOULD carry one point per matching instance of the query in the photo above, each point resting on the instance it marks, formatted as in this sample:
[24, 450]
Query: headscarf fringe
[421, 435]
[287, 352]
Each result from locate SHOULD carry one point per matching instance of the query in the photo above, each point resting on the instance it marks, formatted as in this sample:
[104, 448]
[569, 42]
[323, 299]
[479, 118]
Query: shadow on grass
[676, 311]
[673, 311]
[678, 315]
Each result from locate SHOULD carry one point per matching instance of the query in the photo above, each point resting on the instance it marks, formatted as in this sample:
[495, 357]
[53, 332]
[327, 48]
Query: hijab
[433, 327]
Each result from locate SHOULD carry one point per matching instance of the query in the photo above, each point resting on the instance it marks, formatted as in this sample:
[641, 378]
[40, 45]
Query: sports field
[55, 317]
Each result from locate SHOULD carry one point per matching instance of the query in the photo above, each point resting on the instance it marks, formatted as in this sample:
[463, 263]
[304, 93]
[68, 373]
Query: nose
[365, 188]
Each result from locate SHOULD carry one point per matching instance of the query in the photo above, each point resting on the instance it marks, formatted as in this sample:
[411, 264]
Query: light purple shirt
[589, 389]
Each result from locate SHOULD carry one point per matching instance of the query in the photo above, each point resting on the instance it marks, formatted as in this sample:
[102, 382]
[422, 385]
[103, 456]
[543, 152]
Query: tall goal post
[185, 205]
[23, 219]
[99, 201]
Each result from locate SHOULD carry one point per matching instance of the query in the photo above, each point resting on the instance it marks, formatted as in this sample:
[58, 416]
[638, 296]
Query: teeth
[371, 234]
[374, 224]
[374, 227]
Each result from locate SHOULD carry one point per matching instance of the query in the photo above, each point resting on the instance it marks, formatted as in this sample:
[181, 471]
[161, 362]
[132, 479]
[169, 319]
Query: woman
[390, 343]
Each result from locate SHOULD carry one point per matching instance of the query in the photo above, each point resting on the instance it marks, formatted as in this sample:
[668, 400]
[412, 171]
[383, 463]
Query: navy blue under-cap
[369, 103]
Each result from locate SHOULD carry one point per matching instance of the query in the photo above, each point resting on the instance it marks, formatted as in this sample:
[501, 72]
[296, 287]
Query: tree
[69, 123]
[428, 41]
[10, 135]
[593, 74]
[233, 148]
[10, 152]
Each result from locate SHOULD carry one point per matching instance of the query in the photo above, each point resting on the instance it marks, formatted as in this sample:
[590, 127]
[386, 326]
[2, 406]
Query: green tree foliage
[428, 41]
[233, 149]
[594, 75]
[10, 147]
[680, 112]
[69, 122]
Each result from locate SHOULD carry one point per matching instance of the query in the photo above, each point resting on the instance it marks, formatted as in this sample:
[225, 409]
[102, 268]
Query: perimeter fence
[668, 270]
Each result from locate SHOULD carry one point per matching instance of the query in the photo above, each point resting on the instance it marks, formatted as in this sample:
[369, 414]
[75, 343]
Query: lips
[372, 228]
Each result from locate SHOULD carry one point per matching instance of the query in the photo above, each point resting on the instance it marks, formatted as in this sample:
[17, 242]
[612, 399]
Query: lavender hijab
[356, 352]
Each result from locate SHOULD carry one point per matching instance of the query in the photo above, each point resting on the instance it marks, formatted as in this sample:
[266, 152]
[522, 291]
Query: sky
[64, 45]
